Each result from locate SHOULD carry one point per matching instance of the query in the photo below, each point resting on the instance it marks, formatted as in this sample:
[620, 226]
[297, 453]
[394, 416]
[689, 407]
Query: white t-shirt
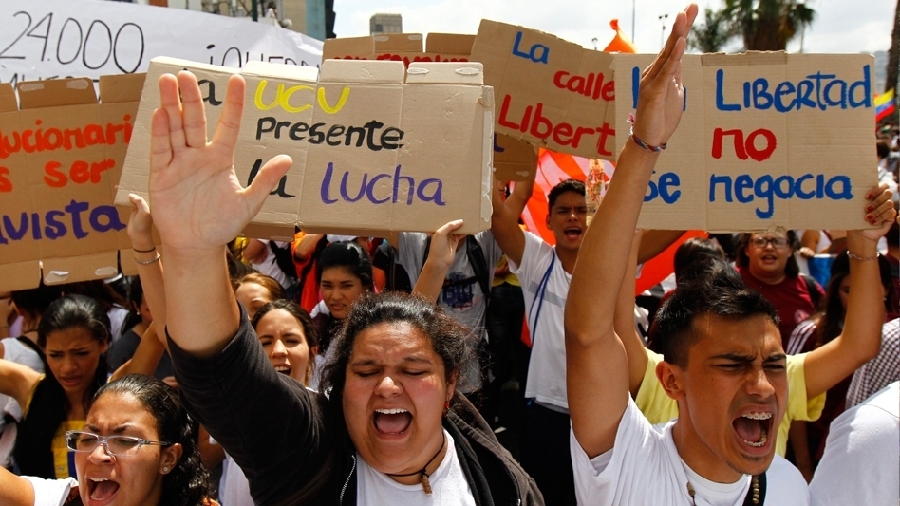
[448, 485]
[861, 464]
[269, 266]
[547, 371]
[644, 467]
[234, 487]
[51, 492]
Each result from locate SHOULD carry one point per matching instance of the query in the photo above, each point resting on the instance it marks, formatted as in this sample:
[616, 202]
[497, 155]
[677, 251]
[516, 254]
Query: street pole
[632, 21]
[255, 10]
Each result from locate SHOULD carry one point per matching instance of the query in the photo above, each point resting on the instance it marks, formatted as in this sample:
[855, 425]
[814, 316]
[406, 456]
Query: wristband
[639, 142]
[148, 262]
[857, 257]
[151, 250]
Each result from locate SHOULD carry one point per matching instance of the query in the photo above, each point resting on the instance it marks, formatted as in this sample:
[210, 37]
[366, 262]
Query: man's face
[568, 220]
[734, 393]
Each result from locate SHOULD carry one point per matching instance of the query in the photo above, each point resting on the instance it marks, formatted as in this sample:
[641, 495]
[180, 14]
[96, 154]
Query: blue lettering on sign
[636, 88]
[816, 91]
[427, 190]
[538, 53]
[497, 147]
[57, 224]
[662, 189]
[767, 188]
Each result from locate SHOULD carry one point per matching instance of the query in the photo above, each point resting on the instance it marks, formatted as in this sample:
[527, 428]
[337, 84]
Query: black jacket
[293, 445]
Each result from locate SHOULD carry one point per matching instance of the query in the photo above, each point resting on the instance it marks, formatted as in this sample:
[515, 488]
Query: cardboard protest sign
[550, 93]
[61, 154]
[513, 160]
[767, 140]
[52, 39]
[375, 147]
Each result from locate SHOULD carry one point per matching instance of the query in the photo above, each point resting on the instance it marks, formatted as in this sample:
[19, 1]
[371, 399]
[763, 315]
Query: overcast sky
[840, 25]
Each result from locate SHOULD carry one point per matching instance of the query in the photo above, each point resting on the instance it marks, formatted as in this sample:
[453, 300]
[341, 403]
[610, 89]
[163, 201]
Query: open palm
[198, 203]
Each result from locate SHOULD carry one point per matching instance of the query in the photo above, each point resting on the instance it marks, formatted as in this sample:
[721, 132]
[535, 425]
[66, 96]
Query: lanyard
[539, 297]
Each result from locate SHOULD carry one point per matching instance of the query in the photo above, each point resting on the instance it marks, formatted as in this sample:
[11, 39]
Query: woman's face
[73, 356]
[252, 297]
[340, 288]
[132, 480]
[394, 397]
[284, 340]
[769, 255]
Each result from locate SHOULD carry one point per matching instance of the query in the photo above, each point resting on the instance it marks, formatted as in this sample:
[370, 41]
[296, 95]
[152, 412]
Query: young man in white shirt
[727, 364]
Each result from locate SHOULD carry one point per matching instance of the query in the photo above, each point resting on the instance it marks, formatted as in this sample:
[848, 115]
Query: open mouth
[573, 233]
[392, 421]
[70, 381]
[102, 489]
[283, 369]
[754, 428]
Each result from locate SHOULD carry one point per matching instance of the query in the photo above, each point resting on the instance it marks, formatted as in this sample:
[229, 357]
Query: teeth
[281, 368]
[762, 440]
[392, 411]
[99, 479]
[758, 416]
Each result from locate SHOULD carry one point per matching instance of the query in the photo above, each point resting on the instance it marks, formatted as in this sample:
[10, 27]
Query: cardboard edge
[446, 73]
[8, 102]
[281, 71]
[749, 58]
[55, 93]
[20, 275]
[455, 43]
[361, 71]
[81, 268]
[117, 89]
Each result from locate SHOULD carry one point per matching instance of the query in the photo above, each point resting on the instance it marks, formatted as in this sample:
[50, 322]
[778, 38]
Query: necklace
[752, 497]
[426, 485]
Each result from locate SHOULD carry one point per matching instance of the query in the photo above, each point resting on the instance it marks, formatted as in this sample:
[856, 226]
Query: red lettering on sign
[543, 128]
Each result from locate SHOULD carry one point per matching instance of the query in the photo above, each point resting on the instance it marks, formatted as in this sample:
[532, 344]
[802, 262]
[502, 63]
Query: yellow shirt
[63, 458]
[659, 407]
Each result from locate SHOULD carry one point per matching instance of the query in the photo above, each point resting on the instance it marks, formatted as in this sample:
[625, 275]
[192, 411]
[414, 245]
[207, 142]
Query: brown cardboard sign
[61, 154]
[513, 160]
[767, 140]
[376, 147]
[550, 93]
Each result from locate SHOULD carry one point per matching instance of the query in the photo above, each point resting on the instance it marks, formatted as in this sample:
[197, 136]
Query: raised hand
[444, 244]
[880, 212]
[199, 205]
[140, 224]
[661, 99]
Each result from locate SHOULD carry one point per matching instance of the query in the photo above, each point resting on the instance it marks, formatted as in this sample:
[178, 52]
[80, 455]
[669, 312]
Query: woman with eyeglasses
[136, 447]
[768, 265]
[74, 335]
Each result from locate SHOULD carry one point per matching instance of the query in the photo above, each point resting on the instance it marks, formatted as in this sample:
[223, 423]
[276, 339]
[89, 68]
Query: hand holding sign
[199, 205]
[879, 212]
[662, 92]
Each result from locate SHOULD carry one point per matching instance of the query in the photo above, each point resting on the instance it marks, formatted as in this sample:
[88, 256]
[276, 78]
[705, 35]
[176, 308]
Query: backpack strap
[29, 343]
[812, 289]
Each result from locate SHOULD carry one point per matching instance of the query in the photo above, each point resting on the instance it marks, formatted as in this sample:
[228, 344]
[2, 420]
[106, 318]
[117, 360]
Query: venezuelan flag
[884, 105]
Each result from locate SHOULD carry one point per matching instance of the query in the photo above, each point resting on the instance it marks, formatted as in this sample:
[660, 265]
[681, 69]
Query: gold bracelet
[857, 257]
[148, 262]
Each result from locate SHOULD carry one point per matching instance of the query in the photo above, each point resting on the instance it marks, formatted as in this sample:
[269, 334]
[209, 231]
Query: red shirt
[790, 298]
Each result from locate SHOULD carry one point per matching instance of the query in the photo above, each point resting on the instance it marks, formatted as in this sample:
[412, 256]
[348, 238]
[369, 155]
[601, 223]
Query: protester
[135, 448]
[394, 368]
[344, 274]
[255, 290]
[724, 361]
[287, 336]
[861, 464]
[74, 334]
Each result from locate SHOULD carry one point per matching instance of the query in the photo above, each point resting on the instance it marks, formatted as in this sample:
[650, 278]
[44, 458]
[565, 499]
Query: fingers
[675, 43]
[169, 101]
[266, 180]
[140, 205]
[449, 227]
[160, 141]
[230, 121]
[193, 112]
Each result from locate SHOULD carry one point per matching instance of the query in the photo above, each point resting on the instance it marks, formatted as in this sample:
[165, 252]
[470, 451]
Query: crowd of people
[448, 369]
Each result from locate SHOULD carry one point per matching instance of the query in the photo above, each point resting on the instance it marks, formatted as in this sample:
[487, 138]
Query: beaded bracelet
[857, 257]
[148, 262]
[639, 142]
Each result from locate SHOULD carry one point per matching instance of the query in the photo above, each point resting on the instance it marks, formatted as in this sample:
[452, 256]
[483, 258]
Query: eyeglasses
[777, 242]
[117, 446]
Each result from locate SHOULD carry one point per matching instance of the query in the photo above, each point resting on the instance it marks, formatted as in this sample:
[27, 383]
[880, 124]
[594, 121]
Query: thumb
[267, 179]
[449, 227]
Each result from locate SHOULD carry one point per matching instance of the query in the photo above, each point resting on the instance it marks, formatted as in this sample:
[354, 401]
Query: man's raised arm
[505, 221]
[597, 365]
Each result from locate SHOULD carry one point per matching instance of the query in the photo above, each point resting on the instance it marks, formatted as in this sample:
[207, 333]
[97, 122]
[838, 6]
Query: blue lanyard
[539, 296]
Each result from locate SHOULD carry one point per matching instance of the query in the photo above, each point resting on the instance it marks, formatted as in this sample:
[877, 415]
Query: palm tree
[713, 34]
[768, 25]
